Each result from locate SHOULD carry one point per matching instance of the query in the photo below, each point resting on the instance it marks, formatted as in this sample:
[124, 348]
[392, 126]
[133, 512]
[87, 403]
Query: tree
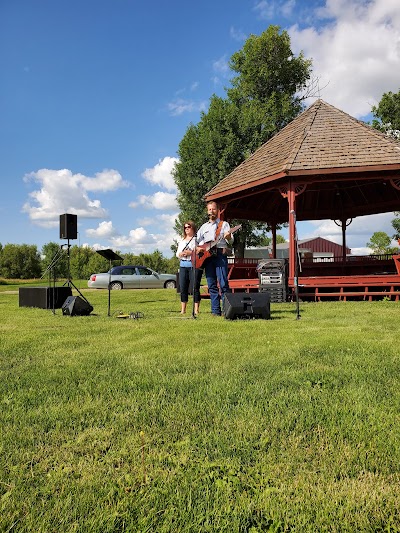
[267, 241]
[54, 260]
[387, 114]
[97, 263]
[380, 243]
[20, 261]
[155, 261]
[270, 79]
[263, 98]
[396, 226]
[80, 257]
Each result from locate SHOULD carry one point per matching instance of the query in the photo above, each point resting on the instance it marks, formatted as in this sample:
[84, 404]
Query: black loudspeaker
[43, 296]
[68, 226]
[247, 305]
[76, 306]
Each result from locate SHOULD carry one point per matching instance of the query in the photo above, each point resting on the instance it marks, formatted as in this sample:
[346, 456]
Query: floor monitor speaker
[76, 306]
[247, 305]
[68, 226]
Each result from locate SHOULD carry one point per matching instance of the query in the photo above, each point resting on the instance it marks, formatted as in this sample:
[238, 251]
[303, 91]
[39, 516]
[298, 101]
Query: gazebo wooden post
[291, 195]
[221, 211]
[273, 228]
[344, 240]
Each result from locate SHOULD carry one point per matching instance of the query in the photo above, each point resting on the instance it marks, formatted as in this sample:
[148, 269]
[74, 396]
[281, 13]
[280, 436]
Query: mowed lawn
[170, 424]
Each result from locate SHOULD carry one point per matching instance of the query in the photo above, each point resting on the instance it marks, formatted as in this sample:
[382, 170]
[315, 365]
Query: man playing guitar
[216, 264]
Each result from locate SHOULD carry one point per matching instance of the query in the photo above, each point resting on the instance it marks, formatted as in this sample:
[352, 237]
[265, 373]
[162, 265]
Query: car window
[128, 272]
[144, 271]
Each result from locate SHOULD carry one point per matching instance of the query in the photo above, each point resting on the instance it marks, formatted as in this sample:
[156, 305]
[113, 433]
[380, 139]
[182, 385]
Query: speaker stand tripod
[51, 270]
[69, 282]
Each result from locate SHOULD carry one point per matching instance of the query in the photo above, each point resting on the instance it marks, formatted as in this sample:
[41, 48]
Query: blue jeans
[216, 268]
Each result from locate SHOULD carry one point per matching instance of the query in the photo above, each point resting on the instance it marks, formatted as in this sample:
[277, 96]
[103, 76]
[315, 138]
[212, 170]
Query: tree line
[25, 261]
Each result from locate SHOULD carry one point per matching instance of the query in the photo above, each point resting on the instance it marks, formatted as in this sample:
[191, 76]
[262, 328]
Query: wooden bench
[246, 284]
[236, 285]
[342, 294]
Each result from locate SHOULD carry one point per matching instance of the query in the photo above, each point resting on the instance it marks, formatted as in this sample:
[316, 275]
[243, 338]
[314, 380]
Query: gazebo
[325, 164]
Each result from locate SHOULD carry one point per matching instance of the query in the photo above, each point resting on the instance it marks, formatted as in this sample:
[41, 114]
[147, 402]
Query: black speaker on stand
[247, 305]
[73, 305]
[68, 227]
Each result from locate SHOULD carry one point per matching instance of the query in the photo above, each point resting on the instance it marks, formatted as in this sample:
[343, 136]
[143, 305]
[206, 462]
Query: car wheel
[116, 285]
[169, 284]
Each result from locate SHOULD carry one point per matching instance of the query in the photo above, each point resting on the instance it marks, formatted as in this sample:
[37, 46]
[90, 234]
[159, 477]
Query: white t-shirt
[188, 245]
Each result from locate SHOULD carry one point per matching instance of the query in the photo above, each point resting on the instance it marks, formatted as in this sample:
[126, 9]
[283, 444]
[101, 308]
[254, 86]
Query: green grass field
[169, 424]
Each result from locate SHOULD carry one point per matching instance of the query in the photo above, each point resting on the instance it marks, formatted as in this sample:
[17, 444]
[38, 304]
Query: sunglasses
[187, 227]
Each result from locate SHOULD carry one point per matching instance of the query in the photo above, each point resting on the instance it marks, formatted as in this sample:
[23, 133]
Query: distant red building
[320, 247]
[317, 248]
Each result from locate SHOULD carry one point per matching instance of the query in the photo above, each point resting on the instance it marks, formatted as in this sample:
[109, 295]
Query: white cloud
[358, 233]
[265, 9]
[107, 180]
[145, 221]
[237, 35]
[168, 220]
[161, 173]
[142, 240]
[222, 71]
[287, 8]
[221, 67]
[159, 233]
[61, 191]
[104, 230]
[180, 105]
[159, 200]
[355, 53]
[138, 237]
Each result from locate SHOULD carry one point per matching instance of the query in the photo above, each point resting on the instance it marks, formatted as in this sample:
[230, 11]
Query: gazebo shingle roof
[322, 138]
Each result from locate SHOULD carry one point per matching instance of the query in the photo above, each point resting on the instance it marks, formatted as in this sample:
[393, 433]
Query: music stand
[111, 256]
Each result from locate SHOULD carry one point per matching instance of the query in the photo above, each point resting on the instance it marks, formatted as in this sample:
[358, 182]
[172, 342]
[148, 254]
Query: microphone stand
[297, 269]
[194, 279]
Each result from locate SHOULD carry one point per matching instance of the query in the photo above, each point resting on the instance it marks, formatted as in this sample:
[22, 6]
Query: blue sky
[97, 94]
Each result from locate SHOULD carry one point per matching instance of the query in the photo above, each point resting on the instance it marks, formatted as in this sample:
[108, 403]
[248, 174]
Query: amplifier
[43, 297]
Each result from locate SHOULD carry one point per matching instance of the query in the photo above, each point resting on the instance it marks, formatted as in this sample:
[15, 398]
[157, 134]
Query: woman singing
[185, 247]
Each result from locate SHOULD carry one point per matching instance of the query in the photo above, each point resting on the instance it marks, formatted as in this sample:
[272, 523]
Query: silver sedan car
[132, 277]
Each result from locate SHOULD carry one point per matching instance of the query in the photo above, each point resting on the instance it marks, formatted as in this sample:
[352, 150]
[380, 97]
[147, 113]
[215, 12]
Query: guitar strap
[218, 230]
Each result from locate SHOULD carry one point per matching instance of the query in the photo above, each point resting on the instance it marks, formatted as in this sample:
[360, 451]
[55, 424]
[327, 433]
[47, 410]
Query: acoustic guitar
[204, 251]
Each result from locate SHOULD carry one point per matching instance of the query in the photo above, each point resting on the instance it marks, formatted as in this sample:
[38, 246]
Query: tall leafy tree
[380, 243]
[54, 260]
[396, 226]
[79, 261]
[263, 98]
[387, 114]
[20, 261]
